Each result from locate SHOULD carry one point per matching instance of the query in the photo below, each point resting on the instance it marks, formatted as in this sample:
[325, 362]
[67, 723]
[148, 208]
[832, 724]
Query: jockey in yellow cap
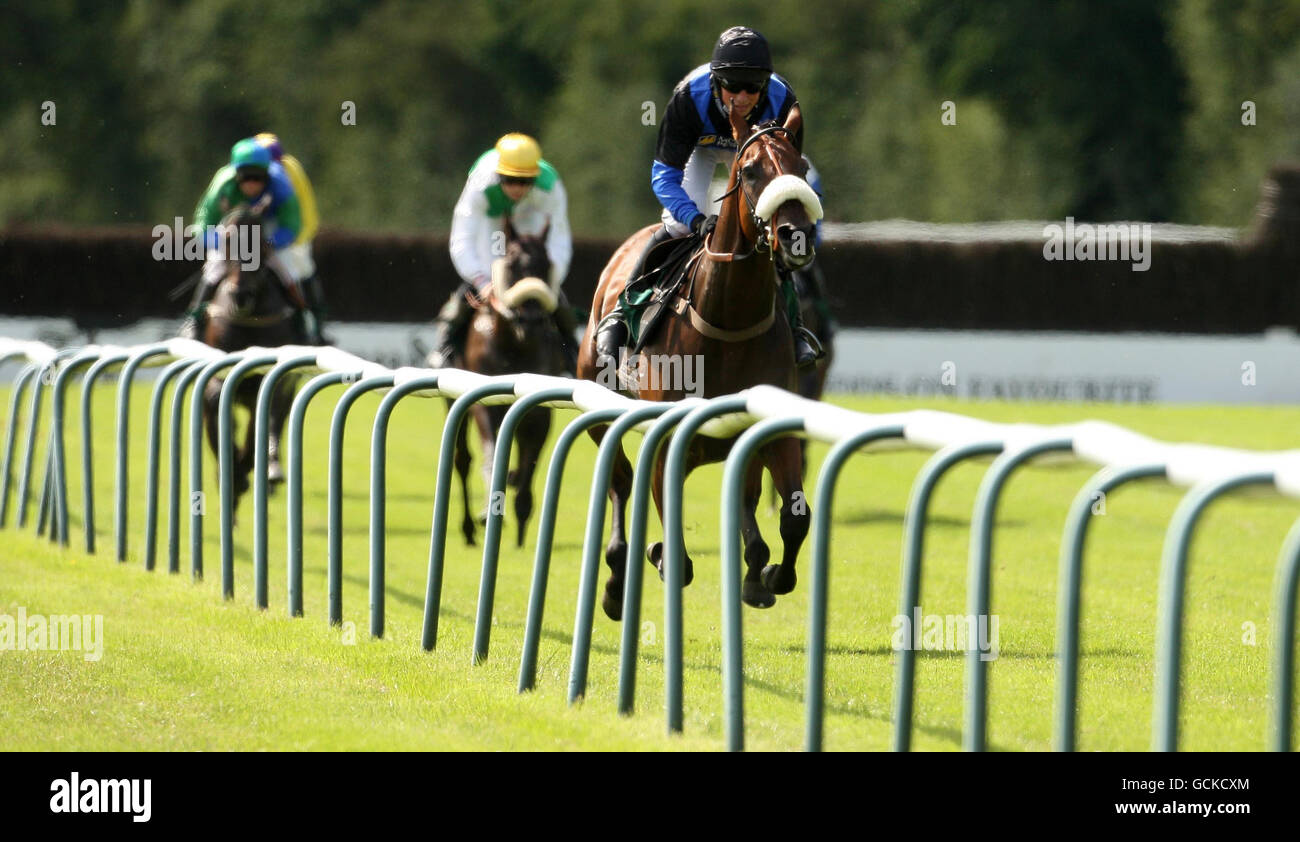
[511, 178]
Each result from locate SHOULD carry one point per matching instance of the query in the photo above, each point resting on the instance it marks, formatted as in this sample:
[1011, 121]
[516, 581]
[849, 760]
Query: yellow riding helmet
[518, 156]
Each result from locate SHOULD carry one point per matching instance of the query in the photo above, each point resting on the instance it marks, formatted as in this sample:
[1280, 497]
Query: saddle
[647, 297]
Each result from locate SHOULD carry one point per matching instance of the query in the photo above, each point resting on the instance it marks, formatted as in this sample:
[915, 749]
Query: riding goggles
[735, 86]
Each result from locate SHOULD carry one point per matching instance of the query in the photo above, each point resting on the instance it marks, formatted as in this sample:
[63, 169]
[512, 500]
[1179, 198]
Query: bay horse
[251, 307]
[512, 332]
[730, 293]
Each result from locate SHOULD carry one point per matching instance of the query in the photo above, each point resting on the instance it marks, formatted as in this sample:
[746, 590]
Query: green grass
[182, 669]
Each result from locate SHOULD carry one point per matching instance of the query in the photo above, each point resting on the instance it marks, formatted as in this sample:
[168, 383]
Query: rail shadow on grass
[868, 516]
[1113, 652]
[952, 735]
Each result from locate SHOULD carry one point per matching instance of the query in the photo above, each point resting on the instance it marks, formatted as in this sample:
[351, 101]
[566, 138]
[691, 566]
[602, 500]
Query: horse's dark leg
[753, 591]
[783, 459]
[532, 435]
[620, 489]
[656, 551]
[488, 419]
[281, 404]
[462, 462]
[244, 456]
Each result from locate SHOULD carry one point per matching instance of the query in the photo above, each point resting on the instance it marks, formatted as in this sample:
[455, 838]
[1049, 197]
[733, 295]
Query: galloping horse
[251, 307]
[513, 332]
[728, 319]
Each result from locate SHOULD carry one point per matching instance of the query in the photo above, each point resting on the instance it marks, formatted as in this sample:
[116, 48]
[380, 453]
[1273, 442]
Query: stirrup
[805, 338]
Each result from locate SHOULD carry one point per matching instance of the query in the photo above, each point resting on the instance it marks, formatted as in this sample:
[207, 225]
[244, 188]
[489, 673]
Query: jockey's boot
[807, 349]
[314, 321]
[195, 317]
[566, 322]
[612, 331]
[452, 322]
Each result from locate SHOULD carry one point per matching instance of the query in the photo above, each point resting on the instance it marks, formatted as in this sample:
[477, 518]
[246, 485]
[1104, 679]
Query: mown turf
[182, 669]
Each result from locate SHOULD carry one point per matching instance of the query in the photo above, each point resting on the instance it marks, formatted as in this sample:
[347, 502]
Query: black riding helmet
[741, 55]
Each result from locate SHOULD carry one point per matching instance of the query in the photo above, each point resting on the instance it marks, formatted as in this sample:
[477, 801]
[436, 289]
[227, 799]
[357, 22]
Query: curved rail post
[980, 574]
[1173, 584]
[918, 508]
[674, 553]
[226, 460]
[378, 493]
[33, 421]
[155, 448]
[487, 585]
[198, 502]
[48, 376]
[733, 493]
[584, 617]
[87, 447]
[1069, 591]
[334, 524]
[293, 552]
[261, 456]
[832, 465]
[21, 381]
[59, 526]
[638, 514]
[1284, 620]
[546, 535]
[124, 381]
[174, 477]
[441, 496]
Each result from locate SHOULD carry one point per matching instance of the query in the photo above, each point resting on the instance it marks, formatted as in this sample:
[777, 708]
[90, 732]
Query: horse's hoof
[655, 554]
[612, 603]
[757, 595]
[777, 580]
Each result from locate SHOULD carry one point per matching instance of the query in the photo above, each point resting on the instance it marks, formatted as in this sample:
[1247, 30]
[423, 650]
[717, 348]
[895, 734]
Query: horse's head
[769, 172]
[521, 290]
[245, 246]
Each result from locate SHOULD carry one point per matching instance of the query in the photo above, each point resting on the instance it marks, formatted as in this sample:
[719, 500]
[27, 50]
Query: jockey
[298, 256]
[694, 137]
[511, 178]
[247, 180]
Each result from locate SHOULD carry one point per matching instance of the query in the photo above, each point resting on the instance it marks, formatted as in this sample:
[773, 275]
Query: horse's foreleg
[531, 438]
[462, 462]
[620, 488]
[655, 554]
[753, 591]
[281, 404]
[784, 460]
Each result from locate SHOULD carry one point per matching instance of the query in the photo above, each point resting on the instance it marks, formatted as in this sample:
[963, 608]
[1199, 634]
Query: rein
[685, 305]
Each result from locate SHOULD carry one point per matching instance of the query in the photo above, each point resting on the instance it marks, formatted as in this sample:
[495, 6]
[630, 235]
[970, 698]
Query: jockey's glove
[703, 225]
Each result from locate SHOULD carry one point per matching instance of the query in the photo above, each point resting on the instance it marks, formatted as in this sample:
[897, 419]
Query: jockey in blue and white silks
[695, 137]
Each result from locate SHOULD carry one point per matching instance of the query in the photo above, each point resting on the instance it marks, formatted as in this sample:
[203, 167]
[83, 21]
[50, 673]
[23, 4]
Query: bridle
[763, 241]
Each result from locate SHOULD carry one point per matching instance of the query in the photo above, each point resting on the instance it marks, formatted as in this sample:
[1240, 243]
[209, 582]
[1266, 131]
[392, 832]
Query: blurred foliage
[1103, 109]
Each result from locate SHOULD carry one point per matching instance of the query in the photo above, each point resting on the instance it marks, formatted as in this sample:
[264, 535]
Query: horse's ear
[545, 231]
[794, 122]
[511, 236]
